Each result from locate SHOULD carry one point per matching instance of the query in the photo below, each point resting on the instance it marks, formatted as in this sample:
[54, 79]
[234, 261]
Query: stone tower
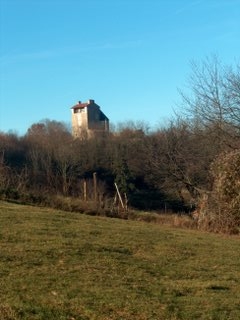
[88, 120]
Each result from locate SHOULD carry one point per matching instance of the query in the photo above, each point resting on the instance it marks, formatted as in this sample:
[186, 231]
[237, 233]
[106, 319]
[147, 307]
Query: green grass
[57, 265]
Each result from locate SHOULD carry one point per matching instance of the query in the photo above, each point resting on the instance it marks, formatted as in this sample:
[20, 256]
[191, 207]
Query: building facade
[88, 120]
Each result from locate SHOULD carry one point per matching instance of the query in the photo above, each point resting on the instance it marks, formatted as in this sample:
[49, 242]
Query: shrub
[220, 210]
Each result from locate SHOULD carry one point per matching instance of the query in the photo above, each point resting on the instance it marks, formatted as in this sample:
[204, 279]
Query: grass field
[57, 265]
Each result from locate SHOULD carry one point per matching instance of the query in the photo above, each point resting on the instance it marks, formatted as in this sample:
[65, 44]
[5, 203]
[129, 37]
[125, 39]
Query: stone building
[88, 120]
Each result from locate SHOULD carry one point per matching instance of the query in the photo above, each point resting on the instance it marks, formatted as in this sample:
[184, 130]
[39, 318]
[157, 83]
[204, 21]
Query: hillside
[57, 265]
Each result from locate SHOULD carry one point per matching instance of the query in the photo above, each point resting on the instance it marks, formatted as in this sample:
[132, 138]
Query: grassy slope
[56, 265]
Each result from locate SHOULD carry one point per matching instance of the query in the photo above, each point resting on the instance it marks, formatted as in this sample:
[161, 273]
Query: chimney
[90, 101]
[79, 102]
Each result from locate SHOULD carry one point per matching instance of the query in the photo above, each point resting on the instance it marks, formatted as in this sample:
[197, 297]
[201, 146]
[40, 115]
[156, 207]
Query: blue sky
[131, 56]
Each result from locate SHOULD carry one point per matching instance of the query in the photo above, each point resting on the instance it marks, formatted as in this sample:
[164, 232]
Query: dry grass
[167, 219]
[61, 265]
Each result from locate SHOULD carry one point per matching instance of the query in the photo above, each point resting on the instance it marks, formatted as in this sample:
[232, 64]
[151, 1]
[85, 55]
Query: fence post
[85, 190]
[95, 186]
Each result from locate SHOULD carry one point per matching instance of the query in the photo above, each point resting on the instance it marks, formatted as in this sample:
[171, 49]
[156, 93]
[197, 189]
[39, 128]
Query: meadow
[70, 266]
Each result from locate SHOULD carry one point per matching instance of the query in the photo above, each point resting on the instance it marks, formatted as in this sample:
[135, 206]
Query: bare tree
[179, 161]
[213, 101]
[49, 143]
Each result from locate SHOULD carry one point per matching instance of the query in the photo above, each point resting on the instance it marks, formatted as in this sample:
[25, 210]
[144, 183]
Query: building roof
[81, 105]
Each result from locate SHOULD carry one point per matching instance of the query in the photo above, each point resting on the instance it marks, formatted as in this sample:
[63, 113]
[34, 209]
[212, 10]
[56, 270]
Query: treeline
[179, 167]
[160, 170]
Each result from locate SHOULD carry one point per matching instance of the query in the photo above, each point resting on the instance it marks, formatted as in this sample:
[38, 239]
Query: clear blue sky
[131, 56]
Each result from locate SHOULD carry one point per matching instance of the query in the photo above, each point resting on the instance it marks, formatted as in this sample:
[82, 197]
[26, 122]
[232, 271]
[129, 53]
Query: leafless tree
[213, 100]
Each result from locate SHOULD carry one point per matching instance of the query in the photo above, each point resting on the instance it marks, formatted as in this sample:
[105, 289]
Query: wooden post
[119, 195]
[126, 201]
[85, 190]
[95, 186]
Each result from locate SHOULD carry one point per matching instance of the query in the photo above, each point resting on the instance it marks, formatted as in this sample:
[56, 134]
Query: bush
[220, 210]
[9, 193]
[72, 204]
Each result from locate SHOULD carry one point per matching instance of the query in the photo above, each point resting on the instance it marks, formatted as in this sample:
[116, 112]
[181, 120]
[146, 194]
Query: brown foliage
[220, 209]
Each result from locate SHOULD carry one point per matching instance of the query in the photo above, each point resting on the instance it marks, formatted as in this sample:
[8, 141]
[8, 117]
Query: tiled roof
[80, 105]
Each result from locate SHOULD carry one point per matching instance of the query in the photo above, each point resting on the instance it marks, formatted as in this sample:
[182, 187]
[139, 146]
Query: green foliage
[121, 171]
[123, 176]
[58, 265]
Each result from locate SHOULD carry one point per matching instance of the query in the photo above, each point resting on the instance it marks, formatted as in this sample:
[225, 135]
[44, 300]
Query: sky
[130, 56]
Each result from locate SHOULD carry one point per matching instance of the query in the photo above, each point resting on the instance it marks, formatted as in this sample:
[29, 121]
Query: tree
[213, 106]
[49, 144]
[213, 101]
[179, 161]
[232, 88]
[13, 173]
